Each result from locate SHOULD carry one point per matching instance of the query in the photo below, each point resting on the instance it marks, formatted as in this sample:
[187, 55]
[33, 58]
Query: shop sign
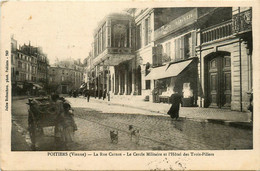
[180, 22]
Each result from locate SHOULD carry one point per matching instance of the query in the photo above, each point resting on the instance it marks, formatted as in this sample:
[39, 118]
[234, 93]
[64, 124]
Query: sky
[62, 29]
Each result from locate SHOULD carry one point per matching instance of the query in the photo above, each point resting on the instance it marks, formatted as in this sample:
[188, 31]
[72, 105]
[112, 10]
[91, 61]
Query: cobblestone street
[95, 120]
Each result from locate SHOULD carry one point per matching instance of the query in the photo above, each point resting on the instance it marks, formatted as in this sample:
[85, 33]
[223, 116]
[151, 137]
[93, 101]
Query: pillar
[142, 78]
[133, 82]
[119, 82]
[104, 76]
[125, 78]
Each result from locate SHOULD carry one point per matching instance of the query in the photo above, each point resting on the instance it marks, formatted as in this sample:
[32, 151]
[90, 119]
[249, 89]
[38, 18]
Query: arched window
[147, 68]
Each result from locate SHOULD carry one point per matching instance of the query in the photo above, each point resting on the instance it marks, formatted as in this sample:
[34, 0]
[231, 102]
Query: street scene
[175, 78]
[157, 131]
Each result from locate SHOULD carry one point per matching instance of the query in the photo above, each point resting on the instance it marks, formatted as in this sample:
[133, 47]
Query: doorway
[219, 81]
[64, 89]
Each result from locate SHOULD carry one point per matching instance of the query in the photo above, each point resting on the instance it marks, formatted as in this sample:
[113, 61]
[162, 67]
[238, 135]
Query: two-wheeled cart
[42, 113]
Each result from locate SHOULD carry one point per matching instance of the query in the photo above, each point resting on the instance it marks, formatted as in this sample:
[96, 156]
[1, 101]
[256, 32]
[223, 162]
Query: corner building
[225, 55]
[113, 65]
[204, 53]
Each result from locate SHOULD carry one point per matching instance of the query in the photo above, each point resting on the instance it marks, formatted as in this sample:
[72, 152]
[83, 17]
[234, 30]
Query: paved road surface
[156, 132]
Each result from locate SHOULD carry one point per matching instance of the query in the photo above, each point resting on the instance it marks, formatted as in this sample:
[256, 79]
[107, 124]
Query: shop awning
[20, 86]
[37, 86]
[175, 69]
[157, 73]
[165, 71]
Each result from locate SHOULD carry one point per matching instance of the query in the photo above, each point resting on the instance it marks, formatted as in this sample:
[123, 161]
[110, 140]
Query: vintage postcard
[129, 85]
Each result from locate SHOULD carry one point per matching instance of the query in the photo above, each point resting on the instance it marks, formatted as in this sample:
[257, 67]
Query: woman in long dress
[176, 100]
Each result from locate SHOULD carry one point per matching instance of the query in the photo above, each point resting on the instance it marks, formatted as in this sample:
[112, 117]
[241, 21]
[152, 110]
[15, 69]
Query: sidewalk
[220, 116]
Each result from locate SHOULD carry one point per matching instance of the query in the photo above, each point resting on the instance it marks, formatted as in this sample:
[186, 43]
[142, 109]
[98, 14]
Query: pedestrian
[65, 127]
[250, 107]
[100, 94]
[176, 100]
[104, 93]
[87, 94]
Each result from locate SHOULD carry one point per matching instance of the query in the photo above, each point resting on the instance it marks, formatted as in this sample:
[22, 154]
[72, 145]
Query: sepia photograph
[149, 81]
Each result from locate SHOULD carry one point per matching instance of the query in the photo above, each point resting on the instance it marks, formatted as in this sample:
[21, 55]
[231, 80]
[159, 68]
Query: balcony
[242, 22]
[217, 32]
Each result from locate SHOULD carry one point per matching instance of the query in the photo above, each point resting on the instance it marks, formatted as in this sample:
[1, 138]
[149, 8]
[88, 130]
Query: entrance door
[64, 89]
[220, 81]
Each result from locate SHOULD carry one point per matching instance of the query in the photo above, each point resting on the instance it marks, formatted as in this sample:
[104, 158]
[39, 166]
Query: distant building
[87, 78]
[65, 76]
[29, 68]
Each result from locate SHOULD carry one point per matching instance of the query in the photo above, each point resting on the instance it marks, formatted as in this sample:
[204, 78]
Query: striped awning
[171, 70]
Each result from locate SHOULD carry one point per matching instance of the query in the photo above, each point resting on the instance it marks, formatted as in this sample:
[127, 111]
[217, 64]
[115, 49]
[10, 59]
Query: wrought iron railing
[217, 32]
[242, 21]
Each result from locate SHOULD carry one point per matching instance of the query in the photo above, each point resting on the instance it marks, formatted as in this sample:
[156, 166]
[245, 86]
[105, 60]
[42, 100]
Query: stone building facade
[29, 68]
[225, 53]
[203, 53]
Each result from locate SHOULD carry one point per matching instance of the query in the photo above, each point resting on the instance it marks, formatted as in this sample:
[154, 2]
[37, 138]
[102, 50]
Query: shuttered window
[149, 29]
[185, 46]
[193, 39]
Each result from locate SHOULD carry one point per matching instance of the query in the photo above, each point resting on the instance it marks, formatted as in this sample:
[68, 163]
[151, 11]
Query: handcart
[42, 113]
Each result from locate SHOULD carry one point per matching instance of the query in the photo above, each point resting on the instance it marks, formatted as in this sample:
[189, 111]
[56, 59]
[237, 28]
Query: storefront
[178, 77]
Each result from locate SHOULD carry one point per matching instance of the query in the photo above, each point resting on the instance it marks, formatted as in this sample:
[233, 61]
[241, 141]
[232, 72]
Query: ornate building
[113, 64]
[204, 53]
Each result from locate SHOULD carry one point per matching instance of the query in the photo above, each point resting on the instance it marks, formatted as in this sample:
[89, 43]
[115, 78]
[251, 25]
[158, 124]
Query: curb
[241, 125]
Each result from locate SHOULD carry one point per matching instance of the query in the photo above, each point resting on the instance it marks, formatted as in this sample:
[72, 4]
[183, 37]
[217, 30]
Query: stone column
[119, 82]
[142, 78]
[104, 77]
[125, 75]
[133, 82]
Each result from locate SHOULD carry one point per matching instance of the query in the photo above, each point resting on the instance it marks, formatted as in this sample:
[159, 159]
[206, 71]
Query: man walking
[88, 94]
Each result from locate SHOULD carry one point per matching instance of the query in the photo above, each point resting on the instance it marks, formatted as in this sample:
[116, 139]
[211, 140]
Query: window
[95, 46]
[157, 55]
[120, 38]
[138, 37]
[167, 53]
[147, 84]
[103, 37]
[185, 46]
[12, 58]
[99, 41]
[62, 78]
[146, 30]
